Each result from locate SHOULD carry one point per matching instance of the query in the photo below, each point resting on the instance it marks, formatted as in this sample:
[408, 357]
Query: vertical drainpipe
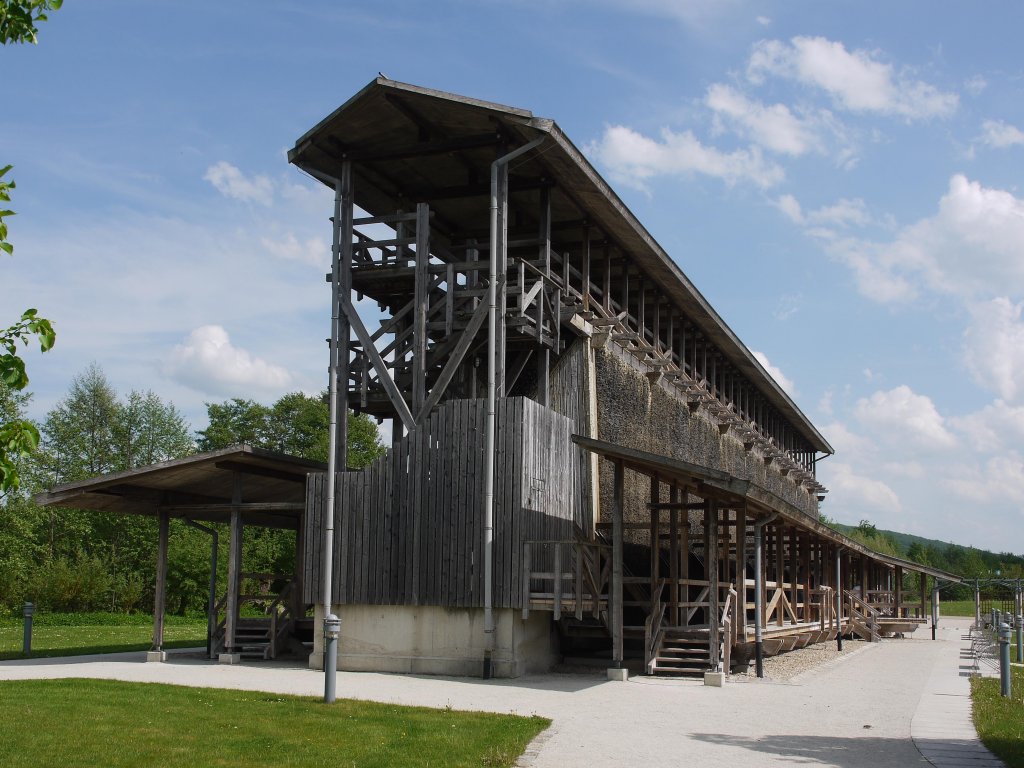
[839, 598]
[758, 597]
[330, 620]
[492, 325]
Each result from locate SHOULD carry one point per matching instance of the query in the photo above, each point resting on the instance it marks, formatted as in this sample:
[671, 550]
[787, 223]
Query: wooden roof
[201, 487]
[725, 486]
[410, 144]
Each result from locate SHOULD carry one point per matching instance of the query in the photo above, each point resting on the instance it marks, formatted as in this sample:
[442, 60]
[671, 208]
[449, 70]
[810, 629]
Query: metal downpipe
[492, 365]
[331, 623]
[839, 599]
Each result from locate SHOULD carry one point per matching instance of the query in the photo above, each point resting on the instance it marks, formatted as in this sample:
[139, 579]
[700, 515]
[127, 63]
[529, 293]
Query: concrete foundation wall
[437, 641]
[637, 413]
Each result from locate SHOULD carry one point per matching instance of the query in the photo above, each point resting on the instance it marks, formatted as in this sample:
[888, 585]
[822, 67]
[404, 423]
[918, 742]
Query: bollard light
[332, 628]
[1004, 659]
[26, 644]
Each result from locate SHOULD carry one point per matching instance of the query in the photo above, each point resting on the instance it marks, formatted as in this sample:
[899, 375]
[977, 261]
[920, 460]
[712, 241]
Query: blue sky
[841, 181]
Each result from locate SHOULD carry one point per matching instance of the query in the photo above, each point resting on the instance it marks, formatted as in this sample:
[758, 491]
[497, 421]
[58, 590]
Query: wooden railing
[863, 617]
[727, 628]
[826, 608]
[584, 589]
[884, 601]
[653, 632]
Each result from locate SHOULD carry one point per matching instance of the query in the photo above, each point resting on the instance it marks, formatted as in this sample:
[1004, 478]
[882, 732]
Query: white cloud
[231, 182]
[994, 347]
[314, 251]
[1000, 479]
[843, 213]
[851, 489]
[973, 245]
[996, 133]
[764, 21]
[776, 373]
[856, 80]
[207, 361]
[633, 158]
[773, 127]
[996, 427]
[975, 85]
[900, 415]
[847, 443]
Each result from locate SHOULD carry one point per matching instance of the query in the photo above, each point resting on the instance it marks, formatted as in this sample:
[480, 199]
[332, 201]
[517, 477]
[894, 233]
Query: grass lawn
[1000, 722]
[109, 723]
[77, 634]
[956, 608]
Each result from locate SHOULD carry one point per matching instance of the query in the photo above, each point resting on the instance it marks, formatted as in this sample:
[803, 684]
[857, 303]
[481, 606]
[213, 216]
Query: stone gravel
[786, 667]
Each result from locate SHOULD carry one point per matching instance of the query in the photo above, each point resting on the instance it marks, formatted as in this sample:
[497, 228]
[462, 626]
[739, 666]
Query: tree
[18, 19]
[18, 437]
[297, 424]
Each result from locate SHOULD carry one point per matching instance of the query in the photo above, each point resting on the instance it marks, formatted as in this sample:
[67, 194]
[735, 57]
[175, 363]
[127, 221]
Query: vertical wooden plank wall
[409, 526]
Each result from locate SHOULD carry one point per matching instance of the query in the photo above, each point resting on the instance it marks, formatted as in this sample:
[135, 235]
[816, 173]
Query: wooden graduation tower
[641, 454]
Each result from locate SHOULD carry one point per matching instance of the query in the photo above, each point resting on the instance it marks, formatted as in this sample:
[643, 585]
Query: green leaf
[7, 247]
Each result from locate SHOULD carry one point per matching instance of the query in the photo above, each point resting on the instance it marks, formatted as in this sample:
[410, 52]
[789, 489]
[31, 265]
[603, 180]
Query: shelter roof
[271, 486]
[409, 144]
[753, 495]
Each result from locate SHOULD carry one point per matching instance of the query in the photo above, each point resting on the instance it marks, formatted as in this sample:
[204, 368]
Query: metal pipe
[492, 365]
[839, 599]
[758, 597]
[1020, 639]
[26, 642]
[1004, 659]
[330, 621]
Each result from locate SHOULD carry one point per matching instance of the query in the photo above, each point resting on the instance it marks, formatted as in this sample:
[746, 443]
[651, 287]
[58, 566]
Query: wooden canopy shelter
[235, 486]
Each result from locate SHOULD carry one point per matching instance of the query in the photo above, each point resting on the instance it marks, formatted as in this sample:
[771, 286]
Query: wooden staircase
[252, 638]
[681, 652]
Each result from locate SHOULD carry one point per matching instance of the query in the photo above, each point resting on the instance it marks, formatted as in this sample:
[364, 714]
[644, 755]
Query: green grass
[100, 722]
[1000, 721]
[77, 634]
[956, 608]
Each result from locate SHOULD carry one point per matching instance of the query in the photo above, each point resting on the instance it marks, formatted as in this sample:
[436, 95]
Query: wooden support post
[421, 302]
[794, 565]
[674, 555]
[780, 571]
[616, 595]
[711, 557]
[685, 563]
[160, 594]
[805, 567]
[924, 594]
[297, 604]
[655, 535]
[235, 565]
[899, 592]
[741, 573]
[585, 266]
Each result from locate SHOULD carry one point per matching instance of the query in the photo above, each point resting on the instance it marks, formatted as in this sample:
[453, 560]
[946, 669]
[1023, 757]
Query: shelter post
[160, 595]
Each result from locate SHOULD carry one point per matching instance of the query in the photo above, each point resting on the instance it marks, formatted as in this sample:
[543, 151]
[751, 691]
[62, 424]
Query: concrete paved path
[857, 712]
[942, 728]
